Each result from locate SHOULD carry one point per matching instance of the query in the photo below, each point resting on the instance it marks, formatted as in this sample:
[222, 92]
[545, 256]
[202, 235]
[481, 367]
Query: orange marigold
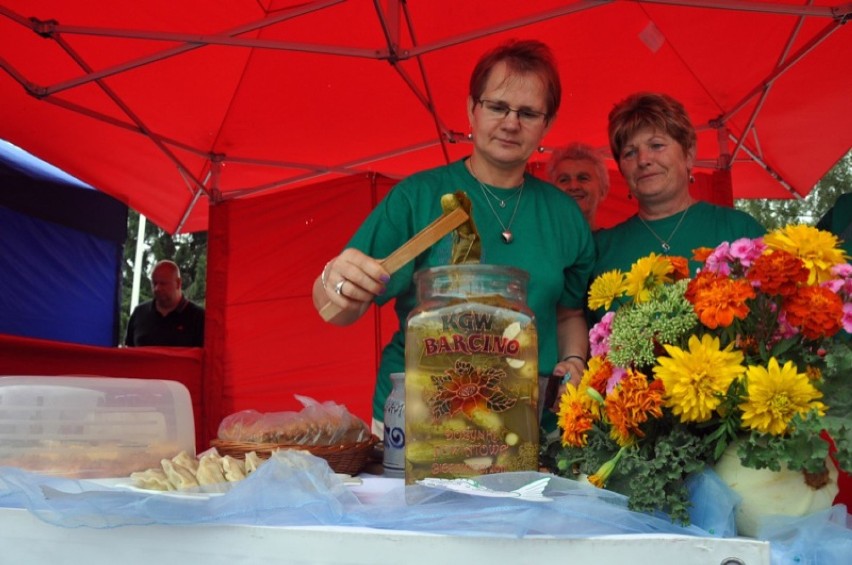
[599, 375]
[701, 281]
[816, 311]
[813, 373]
[748, 344]
[778, 272]
[701, 254]
[578, 421]
[577, 415]
[630, 404]
[719, 300]
[681, 268]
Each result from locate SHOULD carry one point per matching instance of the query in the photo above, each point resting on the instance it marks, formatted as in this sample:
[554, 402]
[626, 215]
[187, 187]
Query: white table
[26, 539]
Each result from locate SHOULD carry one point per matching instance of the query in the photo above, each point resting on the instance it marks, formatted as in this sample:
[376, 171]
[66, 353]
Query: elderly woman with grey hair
[579, 170]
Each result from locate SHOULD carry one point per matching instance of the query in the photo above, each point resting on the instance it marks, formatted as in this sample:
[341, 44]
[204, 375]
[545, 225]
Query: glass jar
[471, 374]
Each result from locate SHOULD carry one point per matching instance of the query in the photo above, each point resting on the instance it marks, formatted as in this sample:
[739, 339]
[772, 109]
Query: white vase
[767, 493]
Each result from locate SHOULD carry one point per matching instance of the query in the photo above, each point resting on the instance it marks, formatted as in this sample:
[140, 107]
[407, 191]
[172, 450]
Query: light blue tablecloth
[295, 488]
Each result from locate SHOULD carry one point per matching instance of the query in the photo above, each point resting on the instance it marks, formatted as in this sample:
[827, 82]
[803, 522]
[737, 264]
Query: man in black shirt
[168, 319]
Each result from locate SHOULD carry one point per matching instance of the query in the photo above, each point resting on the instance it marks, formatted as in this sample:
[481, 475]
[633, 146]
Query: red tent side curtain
[264, 340]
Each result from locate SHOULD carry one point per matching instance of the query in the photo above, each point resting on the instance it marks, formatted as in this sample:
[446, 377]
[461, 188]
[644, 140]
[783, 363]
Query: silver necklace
[497, 198]
[506, 234]
[664, 243]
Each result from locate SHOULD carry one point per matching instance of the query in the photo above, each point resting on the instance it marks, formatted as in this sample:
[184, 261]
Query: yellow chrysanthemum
[775, 395]
[816, 248]
[646, 275]
[696, 380]
[587, 401]
[606, 288]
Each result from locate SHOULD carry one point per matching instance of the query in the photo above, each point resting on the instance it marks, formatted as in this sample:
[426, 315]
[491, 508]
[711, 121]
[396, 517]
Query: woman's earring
[470, 136]
[541, 148]
[691, 179]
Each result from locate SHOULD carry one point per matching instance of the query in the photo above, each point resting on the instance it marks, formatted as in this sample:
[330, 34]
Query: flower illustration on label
[466, 389]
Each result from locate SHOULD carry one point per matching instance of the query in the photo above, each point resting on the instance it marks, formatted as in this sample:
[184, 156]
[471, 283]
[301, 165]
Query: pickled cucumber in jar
[471, 374]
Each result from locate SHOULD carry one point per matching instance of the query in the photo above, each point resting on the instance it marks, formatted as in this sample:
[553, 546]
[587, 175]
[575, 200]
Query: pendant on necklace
[502, 203]
[666, 247]
[507, 237]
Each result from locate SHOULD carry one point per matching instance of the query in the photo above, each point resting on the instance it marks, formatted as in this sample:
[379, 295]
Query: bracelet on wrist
[579, 357]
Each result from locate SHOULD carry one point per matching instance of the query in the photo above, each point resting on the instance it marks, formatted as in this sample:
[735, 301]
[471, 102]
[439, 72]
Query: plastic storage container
[471, 374]
[86, 427]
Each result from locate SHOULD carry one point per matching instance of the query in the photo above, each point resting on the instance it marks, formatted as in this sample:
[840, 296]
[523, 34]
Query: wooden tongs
[423, 240]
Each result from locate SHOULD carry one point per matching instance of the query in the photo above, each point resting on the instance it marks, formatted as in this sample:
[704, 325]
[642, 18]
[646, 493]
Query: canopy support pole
[137, 263]
[767, 86]
[214, 174]
[769, 170]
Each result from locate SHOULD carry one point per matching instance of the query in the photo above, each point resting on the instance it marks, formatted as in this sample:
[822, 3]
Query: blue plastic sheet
[295, 488]
[713, 504]
[820, 538]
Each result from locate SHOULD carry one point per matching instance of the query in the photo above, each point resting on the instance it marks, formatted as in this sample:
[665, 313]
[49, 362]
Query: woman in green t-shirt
[523, 221]
[654, 144]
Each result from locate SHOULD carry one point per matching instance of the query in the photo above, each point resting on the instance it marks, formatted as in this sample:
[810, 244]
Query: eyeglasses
[500, 111]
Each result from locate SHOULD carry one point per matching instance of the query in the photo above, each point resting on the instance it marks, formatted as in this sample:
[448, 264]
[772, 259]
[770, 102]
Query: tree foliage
[777, 213]
[189, 251]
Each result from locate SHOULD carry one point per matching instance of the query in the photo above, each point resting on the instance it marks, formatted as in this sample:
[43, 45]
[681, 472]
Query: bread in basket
[327, 430]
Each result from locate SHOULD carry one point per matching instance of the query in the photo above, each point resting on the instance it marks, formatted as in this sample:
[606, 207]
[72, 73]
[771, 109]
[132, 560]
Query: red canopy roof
[170, 105]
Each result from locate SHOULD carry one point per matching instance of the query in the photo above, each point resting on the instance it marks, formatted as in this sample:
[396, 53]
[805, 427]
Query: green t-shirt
[704, 225]
[552, 242]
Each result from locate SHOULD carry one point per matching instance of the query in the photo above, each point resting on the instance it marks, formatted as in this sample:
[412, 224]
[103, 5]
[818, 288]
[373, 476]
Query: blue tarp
[61, 246]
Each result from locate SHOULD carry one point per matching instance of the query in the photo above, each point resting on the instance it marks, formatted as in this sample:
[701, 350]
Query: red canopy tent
[226, 112]
[170, 106]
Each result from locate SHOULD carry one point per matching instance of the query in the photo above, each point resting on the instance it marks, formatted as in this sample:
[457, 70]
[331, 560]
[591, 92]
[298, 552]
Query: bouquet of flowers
[754, 348]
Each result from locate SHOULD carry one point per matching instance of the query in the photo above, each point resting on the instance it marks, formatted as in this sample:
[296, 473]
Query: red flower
[778, 272]
[816, 311]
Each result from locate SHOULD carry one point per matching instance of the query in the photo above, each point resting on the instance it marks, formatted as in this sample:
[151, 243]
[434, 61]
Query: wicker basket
[347, 458]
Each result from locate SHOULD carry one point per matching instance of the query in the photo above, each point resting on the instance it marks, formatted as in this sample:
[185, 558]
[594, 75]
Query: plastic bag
[326, 423]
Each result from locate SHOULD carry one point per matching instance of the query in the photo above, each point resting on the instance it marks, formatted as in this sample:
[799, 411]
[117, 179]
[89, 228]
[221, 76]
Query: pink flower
[719, 261]
[784, 329]
[842, 285]
[847, 317]
[746, 250]
[599, 335]
[834, 285]
[618, 373]
[842, 270]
